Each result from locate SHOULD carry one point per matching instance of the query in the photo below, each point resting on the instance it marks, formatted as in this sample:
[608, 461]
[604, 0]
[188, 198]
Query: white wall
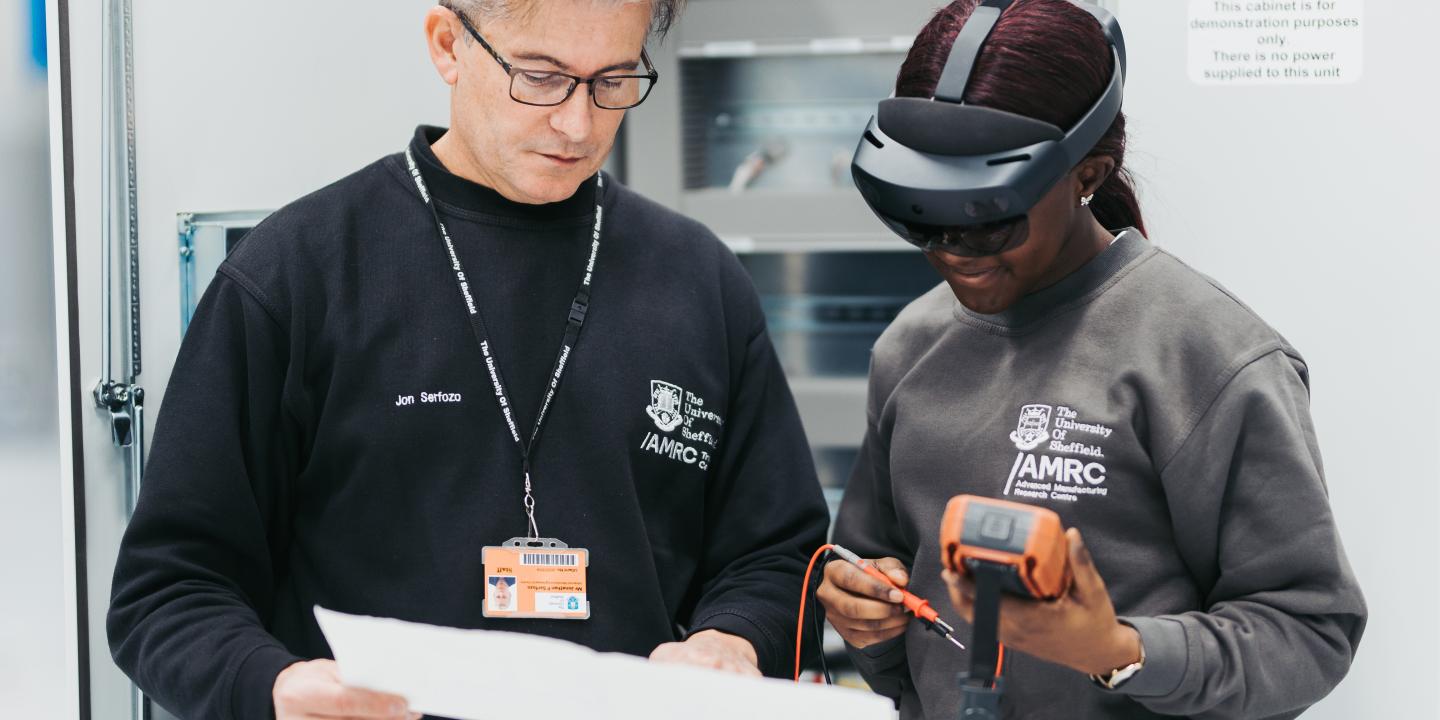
[1313, 204]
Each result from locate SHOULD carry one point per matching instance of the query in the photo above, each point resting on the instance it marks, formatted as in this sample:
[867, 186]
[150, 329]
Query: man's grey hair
[663, 13]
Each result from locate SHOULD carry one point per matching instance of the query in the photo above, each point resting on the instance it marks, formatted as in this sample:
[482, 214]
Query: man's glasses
[549, 87]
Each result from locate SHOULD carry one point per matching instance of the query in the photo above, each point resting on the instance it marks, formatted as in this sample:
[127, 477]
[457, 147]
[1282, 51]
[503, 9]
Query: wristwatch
[1117, 677]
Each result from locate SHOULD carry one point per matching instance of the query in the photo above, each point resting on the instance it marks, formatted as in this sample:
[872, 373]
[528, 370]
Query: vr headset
[959, 178]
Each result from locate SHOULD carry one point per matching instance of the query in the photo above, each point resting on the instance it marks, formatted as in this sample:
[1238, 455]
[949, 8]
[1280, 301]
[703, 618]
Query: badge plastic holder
[535, 578]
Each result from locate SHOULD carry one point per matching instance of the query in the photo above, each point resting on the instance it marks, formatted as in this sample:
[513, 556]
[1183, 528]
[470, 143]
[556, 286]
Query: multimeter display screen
[997, 528]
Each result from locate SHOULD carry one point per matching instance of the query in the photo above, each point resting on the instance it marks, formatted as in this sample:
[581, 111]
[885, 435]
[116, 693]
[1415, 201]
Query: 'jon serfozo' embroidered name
[428, 397]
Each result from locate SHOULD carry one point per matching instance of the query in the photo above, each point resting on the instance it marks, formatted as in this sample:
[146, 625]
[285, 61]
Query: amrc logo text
[1045, 476]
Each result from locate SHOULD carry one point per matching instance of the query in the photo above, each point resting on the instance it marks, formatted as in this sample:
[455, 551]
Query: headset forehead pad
[942, 128]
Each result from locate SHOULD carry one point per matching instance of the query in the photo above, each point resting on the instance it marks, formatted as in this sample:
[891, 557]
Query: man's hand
[862, 609]
[1078, 630]
[312, 690]
[711, 649]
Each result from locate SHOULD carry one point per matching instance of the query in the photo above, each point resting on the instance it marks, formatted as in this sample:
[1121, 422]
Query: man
[501, 597]
[352, 421]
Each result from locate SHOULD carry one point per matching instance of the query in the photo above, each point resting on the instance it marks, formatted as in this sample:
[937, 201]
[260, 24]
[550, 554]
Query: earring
[1085, 201]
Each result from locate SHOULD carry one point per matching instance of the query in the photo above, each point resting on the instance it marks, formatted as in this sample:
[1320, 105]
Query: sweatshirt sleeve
[195, 578]
[868, 525]
[1283, 612]
[764, 513]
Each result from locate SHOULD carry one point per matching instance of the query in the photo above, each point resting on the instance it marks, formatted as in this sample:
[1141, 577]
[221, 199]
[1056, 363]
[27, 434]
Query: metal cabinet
[756, 143]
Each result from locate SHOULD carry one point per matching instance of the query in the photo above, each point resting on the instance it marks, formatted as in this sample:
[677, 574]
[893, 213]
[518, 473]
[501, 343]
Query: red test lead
[917, 605]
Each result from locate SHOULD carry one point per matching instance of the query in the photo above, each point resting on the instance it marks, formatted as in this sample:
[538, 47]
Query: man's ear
[441, 39]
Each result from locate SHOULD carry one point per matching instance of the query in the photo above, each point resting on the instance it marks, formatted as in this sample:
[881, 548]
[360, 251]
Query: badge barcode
[547, 559]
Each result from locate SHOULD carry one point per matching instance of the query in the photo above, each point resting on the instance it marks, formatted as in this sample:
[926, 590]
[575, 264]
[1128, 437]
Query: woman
[1087, 371]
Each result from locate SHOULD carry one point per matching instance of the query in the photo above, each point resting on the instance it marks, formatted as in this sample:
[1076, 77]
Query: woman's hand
[862, 609]
[1078, 630]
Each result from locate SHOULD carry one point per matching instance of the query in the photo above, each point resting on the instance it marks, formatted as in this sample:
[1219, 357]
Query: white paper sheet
[487, 675]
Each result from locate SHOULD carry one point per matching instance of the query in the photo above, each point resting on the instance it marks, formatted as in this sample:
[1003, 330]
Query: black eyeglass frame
[575, 80]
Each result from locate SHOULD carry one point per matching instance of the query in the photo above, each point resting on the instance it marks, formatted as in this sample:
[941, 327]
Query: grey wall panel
[35, 620]
[238, 106]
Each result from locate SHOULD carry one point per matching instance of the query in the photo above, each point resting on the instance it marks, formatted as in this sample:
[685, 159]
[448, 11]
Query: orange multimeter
[1005, 547]
[1025, 543]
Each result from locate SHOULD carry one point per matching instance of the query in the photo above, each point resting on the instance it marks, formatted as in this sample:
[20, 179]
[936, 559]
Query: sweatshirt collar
[1079, 287]
[457, 192]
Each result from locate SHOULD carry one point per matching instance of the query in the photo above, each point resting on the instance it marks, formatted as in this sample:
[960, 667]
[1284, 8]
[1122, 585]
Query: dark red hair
[1046, 59]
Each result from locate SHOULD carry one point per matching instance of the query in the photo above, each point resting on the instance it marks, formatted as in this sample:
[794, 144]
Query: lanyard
[578, 308]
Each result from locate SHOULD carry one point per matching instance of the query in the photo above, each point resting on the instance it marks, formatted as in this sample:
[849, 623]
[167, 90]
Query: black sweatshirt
[329, 436]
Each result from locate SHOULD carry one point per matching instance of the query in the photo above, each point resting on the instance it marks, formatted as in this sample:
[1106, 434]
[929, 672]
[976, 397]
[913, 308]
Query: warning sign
[1276, 42]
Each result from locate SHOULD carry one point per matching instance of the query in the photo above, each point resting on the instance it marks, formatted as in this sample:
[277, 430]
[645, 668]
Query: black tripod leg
[980, 689]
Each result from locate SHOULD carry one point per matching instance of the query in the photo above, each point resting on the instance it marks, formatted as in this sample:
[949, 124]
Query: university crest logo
[1033, 428]
[665, 401]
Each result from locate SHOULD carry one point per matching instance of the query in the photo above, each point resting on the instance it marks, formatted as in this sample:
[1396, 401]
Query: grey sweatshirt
[1152, 410]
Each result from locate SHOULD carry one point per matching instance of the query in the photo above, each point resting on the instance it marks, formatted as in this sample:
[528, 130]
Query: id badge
[535, 578]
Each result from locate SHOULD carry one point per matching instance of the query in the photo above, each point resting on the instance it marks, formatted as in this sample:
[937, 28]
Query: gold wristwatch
[1117, 677]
